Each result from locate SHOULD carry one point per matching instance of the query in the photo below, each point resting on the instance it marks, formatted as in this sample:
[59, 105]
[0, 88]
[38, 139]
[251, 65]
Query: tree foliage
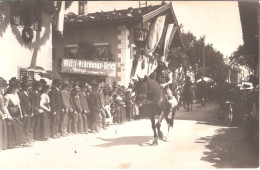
[192, 56]
[240, 58]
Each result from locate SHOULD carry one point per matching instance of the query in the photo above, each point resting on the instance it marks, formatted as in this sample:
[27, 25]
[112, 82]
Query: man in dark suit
[84, 106]
[34, 96]
[77, 117]
[26, 106]
[94, 105]
[56, 107]
[66, 108]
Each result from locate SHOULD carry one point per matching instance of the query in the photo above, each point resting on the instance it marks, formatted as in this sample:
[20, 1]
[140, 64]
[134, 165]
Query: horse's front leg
[155, 142]
[158, 125]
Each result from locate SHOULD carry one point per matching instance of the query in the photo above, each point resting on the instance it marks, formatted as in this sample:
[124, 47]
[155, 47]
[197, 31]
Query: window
[23, 73]
[133, 52]
[15, 15]
[26, 15]
[103, 51]
[71, 51]
[37, 19]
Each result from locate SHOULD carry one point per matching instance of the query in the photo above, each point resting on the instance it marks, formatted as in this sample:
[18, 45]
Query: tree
[240, 58]
[192, 56]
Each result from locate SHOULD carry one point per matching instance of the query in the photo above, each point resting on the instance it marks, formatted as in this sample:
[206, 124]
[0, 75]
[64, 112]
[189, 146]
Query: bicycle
[228, 113]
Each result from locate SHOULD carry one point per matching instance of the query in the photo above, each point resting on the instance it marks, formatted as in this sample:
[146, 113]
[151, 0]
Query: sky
[219, 21]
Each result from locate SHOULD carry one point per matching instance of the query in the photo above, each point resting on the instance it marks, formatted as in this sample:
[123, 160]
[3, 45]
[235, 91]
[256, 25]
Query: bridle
[146, 95]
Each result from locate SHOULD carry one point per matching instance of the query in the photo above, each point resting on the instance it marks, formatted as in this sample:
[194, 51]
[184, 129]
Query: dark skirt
[15, 132]
[3, 134]
[45, 130]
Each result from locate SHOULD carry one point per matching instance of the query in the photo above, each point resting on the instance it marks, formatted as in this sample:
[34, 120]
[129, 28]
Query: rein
[149, 94]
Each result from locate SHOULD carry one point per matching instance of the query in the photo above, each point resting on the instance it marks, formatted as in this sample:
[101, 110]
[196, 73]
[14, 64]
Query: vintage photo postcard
[129, 84]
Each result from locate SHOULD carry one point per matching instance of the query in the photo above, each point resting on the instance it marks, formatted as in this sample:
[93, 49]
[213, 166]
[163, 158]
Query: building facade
[94, 40]
[25, 37]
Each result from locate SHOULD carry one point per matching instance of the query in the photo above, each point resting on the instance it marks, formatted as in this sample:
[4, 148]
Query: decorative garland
[27, 34]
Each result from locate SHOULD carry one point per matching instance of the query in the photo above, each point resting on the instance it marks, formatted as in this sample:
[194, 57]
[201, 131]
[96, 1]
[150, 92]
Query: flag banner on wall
[89, 67]
[160, 46]
[168, 38]
[60, 22]
[155, 33]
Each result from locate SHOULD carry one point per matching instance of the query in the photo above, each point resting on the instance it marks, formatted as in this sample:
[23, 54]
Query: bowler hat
[57, 81]
[26, 83]
[94, 82]
[43, 82]
[37, 83]
[84, 85]
[66, 83]
[14, 85]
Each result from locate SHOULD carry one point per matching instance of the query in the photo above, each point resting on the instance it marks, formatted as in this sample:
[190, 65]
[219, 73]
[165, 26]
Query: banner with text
[90, 67]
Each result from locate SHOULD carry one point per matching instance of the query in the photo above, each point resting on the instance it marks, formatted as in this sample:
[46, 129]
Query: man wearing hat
[56, 107]
[66, 107]
[35, 97]
[26, 105]
[77, 116]
[94, 105]
[84, 106]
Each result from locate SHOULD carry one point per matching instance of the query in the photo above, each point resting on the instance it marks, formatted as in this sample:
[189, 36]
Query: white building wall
[124, 56]
[14, 53]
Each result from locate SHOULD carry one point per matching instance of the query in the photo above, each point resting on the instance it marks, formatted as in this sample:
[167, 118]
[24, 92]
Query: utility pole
[142, 4]
[203, 61]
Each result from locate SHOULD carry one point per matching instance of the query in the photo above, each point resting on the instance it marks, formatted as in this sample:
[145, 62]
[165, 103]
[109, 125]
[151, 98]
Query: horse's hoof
[165, 139]
[155, 142]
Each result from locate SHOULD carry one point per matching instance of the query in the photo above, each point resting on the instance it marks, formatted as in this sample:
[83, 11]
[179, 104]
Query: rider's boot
[169, 110]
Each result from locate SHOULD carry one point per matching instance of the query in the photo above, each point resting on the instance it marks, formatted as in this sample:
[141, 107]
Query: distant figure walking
[188, 94]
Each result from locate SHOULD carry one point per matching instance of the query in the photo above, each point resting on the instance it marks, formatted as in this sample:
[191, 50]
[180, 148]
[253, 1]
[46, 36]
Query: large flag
[168, 38]
[60, 21]
[155, 33]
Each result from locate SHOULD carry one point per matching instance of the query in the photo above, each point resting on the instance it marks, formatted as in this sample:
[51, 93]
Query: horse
[150, 94]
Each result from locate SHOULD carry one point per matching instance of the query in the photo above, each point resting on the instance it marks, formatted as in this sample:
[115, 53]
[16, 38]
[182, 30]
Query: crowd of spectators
[32, 110]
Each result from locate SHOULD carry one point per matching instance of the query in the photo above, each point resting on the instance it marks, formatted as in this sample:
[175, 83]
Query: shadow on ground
[129, 140]
[230, 148]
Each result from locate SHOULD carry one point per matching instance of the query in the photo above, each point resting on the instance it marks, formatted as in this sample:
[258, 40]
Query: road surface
[198, 140]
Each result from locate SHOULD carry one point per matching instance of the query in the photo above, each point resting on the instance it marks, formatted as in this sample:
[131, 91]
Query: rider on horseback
[163, 75]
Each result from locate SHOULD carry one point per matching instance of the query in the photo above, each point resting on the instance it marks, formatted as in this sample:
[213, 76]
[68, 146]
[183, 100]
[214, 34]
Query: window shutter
[37, 19]
[15, 16]
[26, 16]
[31, 75]
[22, 73]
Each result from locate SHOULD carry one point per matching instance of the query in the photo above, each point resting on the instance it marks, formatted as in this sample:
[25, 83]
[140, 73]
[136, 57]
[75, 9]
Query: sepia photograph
[129, 84]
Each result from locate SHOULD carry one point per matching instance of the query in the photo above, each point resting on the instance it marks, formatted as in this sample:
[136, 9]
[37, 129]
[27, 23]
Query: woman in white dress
[45, 119]
[16, 134]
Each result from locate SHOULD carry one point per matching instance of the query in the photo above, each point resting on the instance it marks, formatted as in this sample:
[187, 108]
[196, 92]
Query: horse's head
[143, 91]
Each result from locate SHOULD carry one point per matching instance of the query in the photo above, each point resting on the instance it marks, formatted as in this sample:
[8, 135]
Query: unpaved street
[198, 140]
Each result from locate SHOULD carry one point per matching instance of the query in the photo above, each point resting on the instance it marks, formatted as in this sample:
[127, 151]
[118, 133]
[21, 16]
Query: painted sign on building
[89, 67]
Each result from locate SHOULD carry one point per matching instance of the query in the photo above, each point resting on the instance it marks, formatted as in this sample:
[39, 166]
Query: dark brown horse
[151, 96]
